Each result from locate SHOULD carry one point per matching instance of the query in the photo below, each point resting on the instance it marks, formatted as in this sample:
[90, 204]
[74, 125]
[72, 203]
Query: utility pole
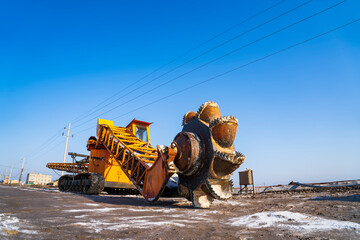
[66, 144]
[10, 173]
[5, 177]
[22, 169]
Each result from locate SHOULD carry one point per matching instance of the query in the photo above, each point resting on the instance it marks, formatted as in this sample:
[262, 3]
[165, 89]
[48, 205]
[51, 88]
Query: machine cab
[140, 129]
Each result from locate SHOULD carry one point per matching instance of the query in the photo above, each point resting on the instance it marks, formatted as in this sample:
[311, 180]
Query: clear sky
[298, 111]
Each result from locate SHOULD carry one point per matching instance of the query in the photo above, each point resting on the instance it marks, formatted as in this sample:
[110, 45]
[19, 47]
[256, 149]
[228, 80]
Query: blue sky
[298, 111]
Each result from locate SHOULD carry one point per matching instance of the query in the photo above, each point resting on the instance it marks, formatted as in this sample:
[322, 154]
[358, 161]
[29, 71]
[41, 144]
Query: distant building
[14, 182]
[38, 179]
[54, 183]
[6, 180]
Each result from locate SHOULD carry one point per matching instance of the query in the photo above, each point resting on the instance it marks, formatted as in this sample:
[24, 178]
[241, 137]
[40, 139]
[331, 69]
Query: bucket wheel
[206, 156]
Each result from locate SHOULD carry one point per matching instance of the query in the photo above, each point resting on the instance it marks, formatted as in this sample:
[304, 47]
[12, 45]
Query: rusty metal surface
[246, 177]
[188, 117]
[157, 177]
[189, 148]
[69, 167]
[206, 155]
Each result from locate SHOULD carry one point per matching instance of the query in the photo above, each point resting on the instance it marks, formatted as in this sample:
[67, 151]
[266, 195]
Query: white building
[14, 182]
[38, 179]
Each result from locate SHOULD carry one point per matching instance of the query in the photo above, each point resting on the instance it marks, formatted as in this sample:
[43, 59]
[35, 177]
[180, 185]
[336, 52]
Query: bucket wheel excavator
[202, 155]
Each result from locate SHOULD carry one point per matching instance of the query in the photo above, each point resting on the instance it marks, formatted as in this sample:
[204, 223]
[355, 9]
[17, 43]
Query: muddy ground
[38, 213]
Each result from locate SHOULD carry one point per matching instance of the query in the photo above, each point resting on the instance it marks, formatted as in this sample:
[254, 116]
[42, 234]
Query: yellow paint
[103, 122]
[114, 173]
[142, 125]
[109, 167]
[102, 157]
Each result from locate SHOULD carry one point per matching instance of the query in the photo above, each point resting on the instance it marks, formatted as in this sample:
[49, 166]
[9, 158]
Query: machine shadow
[137, 200]
[351, 198]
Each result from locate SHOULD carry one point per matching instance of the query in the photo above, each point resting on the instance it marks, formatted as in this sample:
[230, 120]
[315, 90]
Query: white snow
[151, 210]
[145, 220]
[293, 221]
[94, 210]
[142, 223]
[98, 226]
[31, 189]
[187, 216]
[92, 204]
[165, 217]
[81, 216]
[134, 217]
[229, 202]
[28, 189]
[13, 224]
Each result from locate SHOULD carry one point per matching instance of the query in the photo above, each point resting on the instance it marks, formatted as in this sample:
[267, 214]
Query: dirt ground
[38, 213]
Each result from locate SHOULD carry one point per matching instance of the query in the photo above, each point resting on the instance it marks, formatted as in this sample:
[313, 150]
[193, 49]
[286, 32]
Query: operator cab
[140, 129]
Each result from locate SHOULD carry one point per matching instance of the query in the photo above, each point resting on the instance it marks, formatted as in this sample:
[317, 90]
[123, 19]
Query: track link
[88, 183]
[122, 191]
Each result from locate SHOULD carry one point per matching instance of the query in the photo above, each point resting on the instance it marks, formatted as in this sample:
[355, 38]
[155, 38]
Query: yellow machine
[102, 162]
[121, 159]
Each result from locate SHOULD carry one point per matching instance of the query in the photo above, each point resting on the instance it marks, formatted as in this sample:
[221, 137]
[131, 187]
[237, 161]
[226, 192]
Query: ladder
[148, 168]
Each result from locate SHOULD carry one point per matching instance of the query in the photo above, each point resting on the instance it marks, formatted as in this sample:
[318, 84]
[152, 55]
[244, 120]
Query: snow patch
[13, 224]
[142, 223]
[82, 216]
[28, 189]
[92, 204]
[229, 202]
[98, 226]
[179, 216]
[134, 217]
[202, 212]
[150, 210]
[93, 210]
[293, 221]
[146, 220]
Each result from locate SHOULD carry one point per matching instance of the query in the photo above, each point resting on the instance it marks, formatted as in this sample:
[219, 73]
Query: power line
[218, 58]
[47, 142]
[39, 154]
[20, 168]
[77, 119]
[194, 58]
[90, 112]
[35, 156]
[244, 65]
[77, 133]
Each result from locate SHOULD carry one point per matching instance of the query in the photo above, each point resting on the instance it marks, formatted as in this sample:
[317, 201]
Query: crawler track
[122, 191]
[88, 183]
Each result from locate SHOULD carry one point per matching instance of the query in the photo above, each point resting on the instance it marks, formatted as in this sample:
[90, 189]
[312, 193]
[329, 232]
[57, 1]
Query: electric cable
[56, 172]
[39, 153]
[20, 168]
[47, 142]
[49, 150]
[218, 58]
[244, 65]
[198, 56]
[77, 119]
